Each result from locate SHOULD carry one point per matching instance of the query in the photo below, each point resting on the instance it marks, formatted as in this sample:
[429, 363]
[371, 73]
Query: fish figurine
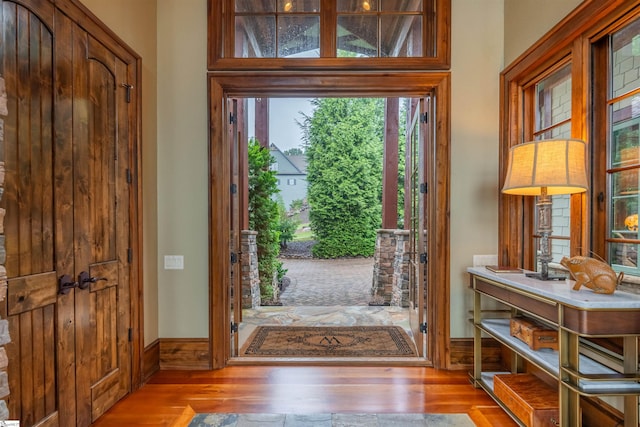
[592, 273]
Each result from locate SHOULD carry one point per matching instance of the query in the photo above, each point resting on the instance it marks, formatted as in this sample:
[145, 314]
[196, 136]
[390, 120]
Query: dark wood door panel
[67, 206]
[31, 292]
[101, 231]
[28, 201]
[32, 366]
[104, 274]
[28, 71]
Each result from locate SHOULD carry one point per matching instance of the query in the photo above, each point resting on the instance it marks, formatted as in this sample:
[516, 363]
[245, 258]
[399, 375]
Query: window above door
[314, 34]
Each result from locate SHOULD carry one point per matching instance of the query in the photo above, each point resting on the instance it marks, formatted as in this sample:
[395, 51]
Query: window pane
[255, 37]
[402, 36]
[255, 6]
[625, 138]
[552, 106]
[624, 149]
[299, 6]
[560, 248]
[623, 254]
[625, 75]
[357, 5]
[382, 5]
[357, 36]
[298, 36]
[562, 131]
[400, 6]
[553, 96]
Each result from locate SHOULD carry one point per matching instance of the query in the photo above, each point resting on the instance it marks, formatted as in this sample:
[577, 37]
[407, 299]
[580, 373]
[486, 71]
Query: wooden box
[533, 401]
[534, 334]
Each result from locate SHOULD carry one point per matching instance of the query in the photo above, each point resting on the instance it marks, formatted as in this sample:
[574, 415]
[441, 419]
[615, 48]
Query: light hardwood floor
[171, 398]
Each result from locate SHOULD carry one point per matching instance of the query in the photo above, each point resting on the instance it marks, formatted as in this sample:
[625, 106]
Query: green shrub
[264, 216]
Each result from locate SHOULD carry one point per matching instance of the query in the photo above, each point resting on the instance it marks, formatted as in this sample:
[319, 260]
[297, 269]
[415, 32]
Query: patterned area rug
[331, 420]
[332, 341]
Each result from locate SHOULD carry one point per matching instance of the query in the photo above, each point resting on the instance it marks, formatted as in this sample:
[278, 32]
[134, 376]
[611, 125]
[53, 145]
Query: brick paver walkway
[321, 282]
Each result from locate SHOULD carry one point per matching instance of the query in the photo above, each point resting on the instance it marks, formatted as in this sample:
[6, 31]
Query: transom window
[315, 33]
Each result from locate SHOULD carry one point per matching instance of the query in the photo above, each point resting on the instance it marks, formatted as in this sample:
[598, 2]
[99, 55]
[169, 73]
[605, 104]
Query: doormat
[331, 420]
[329, 341]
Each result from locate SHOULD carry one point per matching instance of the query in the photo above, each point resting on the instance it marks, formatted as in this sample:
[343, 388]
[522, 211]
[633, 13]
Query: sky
[284, 132]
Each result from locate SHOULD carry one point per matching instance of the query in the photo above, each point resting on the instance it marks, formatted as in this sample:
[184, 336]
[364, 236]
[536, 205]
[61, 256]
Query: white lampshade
[555, 164]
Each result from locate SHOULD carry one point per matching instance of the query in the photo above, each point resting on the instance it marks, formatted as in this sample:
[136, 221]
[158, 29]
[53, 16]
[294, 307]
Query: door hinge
[234, 257]
[234, 327]
[424, 118]
[423, 327]
[128, 87]
[234, 188]
[232, 118]
[423, 258]
[129, 176]
[423, 188]
[130, 334]
[129, 255]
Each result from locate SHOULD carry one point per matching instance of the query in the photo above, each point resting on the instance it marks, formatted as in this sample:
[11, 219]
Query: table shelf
[577, 316]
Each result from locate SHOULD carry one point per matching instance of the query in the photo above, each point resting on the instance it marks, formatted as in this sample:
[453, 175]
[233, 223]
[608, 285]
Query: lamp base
[540, 276]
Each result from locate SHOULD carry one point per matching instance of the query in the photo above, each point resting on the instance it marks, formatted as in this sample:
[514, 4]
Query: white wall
[182, 168]
[476, 62]
[525, 21]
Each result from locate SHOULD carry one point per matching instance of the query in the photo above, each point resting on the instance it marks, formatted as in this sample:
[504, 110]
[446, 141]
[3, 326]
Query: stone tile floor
[318, 282]
[331, 420]
[325, 293]
[322, 316]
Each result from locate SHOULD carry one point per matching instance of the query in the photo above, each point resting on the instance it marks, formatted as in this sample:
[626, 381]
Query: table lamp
[544, 168]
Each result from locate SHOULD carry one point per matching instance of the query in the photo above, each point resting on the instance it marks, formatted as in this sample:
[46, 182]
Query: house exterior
[291, 176]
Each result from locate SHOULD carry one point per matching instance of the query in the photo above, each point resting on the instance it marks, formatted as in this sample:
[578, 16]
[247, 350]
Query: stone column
[383, 257]
[401, 265]
[249, 264]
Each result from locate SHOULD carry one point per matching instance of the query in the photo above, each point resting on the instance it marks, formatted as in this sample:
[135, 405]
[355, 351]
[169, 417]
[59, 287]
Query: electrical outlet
[174, 262]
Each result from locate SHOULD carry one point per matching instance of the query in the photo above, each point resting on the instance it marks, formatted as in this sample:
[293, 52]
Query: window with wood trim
[617, 59]
[272, 34]
[602, 43]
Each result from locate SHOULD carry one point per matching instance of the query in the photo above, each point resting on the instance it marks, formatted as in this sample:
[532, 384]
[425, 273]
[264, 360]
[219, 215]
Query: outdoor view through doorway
[332, 204]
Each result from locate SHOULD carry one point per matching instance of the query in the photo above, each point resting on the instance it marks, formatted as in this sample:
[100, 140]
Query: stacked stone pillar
[391, 268]
[249, 264]
[401, 265]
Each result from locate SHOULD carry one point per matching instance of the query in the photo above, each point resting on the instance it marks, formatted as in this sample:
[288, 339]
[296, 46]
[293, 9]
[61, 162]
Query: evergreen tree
[344, 172]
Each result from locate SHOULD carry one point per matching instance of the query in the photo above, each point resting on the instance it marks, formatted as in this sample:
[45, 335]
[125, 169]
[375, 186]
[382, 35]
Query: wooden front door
[68, 158]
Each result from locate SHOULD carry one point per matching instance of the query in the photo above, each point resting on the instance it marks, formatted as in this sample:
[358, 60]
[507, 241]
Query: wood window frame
[220, 45]
[571, 39]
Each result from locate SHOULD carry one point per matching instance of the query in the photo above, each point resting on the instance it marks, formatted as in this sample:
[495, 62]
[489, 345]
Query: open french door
[417, 187]
[235, 283]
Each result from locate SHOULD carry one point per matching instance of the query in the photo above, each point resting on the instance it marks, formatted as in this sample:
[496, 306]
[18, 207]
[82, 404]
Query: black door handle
[84, 279]
[65, 284]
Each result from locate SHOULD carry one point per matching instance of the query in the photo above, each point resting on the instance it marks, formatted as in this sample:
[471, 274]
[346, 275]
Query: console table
[576, 315]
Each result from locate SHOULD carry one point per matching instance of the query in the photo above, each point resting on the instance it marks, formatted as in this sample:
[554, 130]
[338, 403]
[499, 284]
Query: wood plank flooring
[171, 397]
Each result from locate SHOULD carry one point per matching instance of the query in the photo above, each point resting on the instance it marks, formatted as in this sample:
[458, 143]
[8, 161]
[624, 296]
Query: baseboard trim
[150, 360]
[184, 353]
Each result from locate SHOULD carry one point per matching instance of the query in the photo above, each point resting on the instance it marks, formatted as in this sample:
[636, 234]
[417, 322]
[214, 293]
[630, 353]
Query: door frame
[224, 85]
